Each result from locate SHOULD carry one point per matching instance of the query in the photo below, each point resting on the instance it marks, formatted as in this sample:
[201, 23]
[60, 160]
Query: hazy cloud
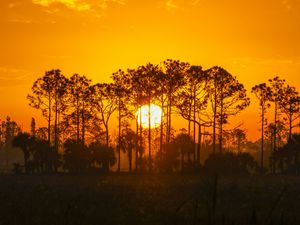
[170, 4]
[79, 5]
[11, 76]
[287, 4]
[104, 3]
[195, 2]
[72, 4]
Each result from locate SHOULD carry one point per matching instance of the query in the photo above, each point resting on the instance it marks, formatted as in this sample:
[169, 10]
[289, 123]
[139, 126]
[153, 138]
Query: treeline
[79, 113]
[286, 111]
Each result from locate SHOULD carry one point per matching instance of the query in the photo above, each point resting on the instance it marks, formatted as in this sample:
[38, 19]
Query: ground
[144, 199]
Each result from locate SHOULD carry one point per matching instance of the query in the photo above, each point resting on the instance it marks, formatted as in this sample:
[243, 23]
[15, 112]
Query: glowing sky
[254, 40]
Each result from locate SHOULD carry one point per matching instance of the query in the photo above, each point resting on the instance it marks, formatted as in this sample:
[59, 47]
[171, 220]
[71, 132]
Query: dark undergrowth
[145, 199]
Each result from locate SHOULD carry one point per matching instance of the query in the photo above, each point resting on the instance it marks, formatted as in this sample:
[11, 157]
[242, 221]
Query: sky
[254, 40]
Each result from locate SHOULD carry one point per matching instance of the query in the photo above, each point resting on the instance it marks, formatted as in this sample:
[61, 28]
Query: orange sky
[254, 40]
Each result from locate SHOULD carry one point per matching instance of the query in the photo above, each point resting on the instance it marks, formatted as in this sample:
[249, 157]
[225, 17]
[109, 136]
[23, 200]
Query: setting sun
[155, 116]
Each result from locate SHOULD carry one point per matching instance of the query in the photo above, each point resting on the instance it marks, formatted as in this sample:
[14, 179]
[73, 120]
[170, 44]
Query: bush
[229, 163]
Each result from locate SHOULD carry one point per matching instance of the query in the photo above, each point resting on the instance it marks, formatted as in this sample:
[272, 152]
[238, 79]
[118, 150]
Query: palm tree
[23, 141]
[103, 155]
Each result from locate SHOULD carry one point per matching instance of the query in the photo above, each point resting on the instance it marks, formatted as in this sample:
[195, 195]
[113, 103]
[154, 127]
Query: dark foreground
[137, 199]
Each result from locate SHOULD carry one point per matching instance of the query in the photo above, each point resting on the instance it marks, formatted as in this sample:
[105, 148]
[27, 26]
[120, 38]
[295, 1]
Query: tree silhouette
[42, 156]
[287, 156]
[33, 127]
[9, 129]
[23, 141]
[276, 85]
[103, 156]
[175, 71]
[145, 79]
[80, 107]
[239, 137]
[263, 93]
[229, 163]
[76, 157]
[128, 144]
[191, 102]
[104, 101]
[281, 136]
[290, 105]
[185, 145]
[136, 101]
[228, 98]
[48, 94]
[121, 88]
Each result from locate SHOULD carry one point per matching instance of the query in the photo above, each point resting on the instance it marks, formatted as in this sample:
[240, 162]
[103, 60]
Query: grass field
[144, 199]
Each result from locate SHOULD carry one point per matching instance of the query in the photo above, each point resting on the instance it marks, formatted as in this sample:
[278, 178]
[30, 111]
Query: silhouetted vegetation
[95, 129]
[80, 116]
[230, 164]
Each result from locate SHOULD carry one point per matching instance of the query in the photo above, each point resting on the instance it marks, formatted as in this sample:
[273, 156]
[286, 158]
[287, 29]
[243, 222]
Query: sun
[155, 116]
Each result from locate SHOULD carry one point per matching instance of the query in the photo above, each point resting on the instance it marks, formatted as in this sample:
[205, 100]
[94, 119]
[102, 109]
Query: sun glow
[155, 116]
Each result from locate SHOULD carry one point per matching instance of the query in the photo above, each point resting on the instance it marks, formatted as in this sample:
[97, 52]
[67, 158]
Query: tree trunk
[214, 120]
[194, 135]
[221, 123]
[149, 137]
[141, 141]
[77, 119]
[262, 137]
[106, 134]
[83, 124]
[167, 125]
[130, 160]
[55, 128]
[199, 144]
[49, 120]
[137, 145]
[274, 138]
[119, 144]
[290, 125]
[161, 129]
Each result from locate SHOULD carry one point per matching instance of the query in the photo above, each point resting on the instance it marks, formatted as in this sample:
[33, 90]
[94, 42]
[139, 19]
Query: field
[144, 199]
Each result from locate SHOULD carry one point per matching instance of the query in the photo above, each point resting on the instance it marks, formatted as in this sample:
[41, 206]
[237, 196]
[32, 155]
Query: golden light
[155, 116]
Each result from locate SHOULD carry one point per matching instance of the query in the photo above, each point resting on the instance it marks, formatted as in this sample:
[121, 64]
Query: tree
[23, 141]
[185, 145]
[229, 163]
[175, 71]
[9, 130]
[281, 137]
[43, 157]
[80, 109]
[104, 101]
[287, 156]
[128, 144]
[103, 156]
[168, 159]
[76, 157]
[145, 79]
[121, 88]
[263, 93]
[135, 102]
[276, 85]
[33, 127]
[48, 94]
[239, 137]
[228, 98]
[191, 102]
[290, 106]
